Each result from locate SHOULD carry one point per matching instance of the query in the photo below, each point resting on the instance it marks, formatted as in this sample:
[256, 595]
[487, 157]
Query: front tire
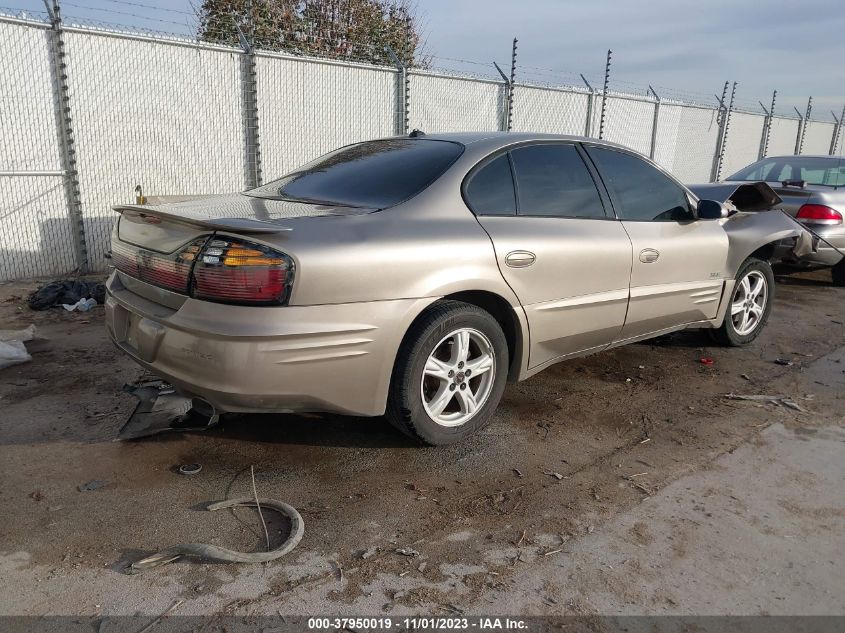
[449, 375]
[750, 304]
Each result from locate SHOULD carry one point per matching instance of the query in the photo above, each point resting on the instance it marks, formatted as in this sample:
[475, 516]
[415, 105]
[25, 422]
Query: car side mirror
[711, 210]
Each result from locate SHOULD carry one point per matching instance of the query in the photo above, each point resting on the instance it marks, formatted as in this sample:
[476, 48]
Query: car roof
[491, 139]
[786, 156]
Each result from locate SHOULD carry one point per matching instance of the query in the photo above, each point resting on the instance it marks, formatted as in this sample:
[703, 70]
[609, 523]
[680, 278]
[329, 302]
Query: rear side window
[373, 175]
[640, 191]
[552, 180]
[490, 190]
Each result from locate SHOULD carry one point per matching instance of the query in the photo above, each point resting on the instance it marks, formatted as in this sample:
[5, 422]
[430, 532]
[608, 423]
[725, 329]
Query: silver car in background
[812, 190]
[412, 277]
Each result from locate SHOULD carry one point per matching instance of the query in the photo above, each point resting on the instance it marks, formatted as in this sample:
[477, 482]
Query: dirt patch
[617, 426]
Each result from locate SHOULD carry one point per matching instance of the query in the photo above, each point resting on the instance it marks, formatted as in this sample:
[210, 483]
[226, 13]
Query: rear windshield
[373, 175]
[813, 171]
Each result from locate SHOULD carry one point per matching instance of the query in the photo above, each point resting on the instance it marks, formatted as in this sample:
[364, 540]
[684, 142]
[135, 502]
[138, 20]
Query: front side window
[372, 175]
[553, 180]
[640, 191]
[490, 189]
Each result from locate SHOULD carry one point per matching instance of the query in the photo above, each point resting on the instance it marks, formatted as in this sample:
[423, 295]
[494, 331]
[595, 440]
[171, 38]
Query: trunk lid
[163, 228]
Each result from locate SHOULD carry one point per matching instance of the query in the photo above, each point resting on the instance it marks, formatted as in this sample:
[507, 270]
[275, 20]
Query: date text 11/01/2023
[418, 624]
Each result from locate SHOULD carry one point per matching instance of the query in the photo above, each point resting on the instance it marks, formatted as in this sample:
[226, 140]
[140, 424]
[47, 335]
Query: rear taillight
[231, 270]
[819, 214]
[170, 271]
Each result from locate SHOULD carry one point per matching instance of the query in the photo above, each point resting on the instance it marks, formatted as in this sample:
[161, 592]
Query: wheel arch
[757, 235]
[510, 318]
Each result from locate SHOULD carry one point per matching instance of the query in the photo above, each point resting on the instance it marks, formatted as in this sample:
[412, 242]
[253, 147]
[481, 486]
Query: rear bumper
[329, 358]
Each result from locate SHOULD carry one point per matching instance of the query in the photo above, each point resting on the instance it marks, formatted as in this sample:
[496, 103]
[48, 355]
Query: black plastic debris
[91, 486]
[160, 409]
[67, 291]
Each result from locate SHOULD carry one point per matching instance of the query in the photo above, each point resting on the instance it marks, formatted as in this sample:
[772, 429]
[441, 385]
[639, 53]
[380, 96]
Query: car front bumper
[829, 250]
[327, 358]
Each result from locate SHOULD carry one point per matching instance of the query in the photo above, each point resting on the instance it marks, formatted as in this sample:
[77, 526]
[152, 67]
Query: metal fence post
[799, 137]
[804, 127]
[505, 120]
[836, 131]
[511, 85]
[604, 94]
[653, 148]
[724, 116]
[588, 124]
[249, 86]
[767, 127]
[403, 91]
[66, 138]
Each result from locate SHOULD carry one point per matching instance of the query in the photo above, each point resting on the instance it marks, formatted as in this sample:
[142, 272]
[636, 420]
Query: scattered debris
[161, 409]
[518, 472]
[745, 377]
[214, 553]
[407, 551]
[83, 305]
[369, 553]
[784, 401]
[706, 360]
[95, 484]
[189, 469]
[12, 348]
[170, 610]
[557, 476]
[68, 291]
[784, 361]
[421, 567]
[258, 509]
[789, 404]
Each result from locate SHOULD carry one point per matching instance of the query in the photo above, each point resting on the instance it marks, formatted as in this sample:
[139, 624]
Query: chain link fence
[90, 112]
[35, 231]
[445, 103]
[307, 108]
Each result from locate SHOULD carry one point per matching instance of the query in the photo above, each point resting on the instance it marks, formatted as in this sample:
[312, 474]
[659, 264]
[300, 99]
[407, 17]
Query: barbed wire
[325, 41]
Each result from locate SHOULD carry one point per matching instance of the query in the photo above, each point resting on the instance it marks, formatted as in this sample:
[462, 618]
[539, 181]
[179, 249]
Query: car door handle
[520, 259]
[649, 255]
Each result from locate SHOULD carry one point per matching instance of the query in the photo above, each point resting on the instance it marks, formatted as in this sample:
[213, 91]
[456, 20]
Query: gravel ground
[578, 457]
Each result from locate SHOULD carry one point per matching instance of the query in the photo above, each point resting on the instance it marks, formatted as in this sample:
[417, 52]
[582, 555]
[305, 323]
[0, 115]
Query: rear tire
[750, 304]
[449, 375]
[838, 273]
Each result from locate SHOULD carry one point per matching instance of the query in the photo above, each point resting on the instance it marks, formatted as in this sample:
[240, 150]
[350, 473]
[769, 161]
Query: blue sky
[681, 46]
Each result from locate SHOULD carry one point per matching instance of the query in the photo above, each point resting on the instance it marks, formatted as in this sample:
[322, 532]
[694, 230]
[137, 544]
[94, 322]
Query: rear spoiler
[748, 196]
[155, 214]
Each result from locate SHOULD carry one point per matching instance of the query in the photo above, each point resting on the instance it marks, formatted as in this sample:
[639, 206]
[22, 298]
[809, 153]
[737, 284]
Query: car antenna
[416, 133]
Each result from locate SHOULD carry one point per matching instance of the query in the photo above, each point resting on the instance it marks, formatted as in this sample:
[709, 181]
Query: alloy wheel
[458, 377]
[748, 304]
